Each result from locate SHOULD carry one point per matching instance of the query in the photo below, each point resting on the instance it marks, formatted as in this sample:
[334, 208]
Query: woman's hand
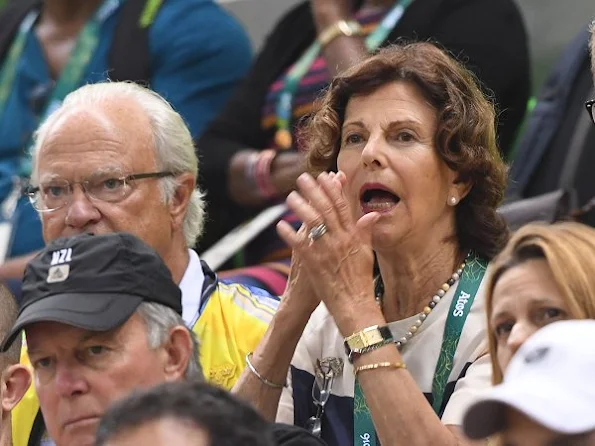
[339, 264]
[299, 293]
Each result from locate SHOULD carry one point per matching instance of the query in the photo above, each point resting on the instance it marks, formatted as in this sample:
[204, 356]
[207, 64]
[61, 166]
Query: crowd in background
[353, 237]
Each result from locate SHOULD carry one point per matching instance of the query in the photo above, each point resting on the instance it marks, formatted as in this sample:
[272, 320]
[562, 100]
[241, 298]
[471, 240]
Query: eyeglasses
[324, 376]
[589, 106]
[57, 193]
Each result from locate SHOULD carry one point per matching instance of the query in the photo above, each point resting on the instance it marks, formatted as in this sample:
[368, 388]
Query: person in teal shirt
[198, 52]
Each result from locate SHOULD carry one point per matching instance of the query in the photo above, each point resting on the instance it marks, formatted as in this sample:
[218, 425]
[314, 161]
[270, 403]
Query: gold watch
[367, 340]
[342, 27]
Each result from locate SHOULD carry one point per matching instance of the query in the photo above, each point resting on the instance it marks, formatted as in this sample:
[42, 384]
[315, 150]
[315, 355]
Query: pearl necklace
[421, 317]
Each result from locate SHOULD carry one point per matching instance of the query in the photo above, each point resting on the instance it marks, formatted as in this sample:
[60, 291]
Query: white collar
[191, 286]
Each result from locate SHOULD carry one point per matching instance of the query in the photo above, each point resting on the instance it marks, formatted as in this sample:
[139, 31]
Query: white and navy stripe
[321, 339]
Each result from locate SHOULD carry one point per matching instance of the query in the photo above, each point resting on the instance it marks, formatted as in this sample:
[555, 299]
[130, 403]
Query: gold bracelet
[342, 27]
[380, 365]
[260, 377]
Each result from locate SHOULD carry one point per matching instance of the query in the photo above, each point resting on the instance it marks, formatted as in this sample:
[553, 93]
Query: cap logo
[61, 256]
[59, 268]
[536, 355]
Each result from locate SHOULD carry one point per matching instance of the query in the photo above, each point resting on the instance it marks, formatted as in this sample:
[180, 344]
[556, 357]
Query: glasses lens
[110, 189]
[51, 195]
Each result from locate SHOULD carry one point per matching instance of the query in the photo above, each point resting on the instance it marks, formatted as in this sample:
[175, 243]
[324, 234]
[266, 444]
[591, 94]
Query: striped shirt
[316, 79]
[321, 339]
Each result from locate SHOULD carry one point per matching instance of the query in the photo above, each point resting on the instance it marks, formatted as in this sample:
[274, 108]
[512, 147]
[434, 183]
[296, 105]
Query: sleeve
[477, 379]
[285, 409]
[490, 39]
[300, 378]
[198, 54]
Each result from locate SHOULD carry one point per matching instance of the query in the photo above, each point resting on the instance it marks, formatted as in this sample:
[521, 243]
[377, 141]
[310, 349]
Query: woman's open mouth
[377, 198]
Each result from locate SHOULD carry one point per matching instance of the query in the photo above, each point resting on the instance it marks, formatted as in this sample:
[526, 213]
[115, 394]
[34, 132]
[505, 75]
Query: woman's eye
[552, 313]
[353, 139]
[405, 137]
[503, 329]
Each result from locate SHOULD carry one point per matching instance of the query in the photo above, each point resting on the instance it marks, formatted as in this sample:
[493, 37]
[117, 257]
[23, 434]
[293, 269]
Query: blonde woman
[544, 274]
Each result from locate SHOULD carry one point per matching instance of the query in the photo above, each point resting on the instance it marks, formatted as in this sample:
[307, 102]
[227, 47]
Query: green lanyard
[283, 137]
[364, 432]
[73, 72]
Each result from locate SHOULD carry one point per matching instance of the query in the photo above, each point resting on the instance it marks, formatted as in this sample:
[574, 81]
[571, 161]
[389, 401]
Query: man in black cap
[89, 313]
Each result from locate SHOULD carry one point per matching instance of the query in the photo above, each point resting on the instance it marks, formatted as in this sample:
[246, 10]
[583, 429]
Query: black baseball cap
[94, 282]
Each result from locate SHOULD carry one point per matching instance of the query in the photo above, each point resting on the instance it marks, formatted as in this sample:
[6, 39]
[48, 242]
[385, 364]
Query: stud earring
[452, 201]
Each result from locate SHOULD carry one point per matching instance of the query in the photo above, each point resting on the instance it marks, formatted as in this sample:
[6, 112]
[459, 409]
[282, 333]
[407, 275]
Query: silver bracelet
[260, 377]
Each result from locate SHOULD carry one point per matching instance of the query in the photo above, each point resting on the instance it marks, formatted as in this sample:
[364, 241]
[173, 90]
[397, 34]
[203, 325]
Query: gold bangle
[260, 377]
[380, 365]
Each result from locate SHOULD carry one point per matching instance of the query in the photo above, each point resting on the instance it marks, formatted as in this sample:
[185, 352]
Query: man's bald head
[8, 314]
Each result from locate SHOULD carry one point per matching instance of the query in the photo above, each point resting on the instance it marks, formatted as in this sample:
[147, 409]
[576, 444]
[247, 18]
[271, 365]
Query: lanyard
[283, 137]
[71, 75]
[364, 432]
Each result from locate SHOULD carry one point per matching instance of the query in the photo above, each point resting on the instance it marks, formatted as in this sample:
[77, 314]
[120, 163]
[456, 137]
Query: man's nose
[81, 211]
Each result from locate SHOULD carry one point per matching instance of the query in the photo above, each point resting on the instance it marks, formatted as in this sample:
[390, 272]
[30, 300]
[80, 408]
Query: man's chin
[81, 433]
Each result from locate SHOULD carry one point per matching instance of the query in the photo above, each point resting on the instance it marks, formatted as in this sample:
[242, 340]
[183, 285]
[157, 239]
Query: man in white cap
[547, 397]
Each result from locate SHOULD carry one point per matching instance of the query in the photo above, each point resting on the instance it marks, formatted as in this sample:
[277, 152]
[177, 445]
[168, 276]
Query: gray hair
[159, 320]
[172, 141]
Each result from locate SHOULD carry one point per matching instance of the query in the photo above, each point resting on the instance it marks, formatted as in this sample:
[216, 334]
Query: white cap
[550, 379]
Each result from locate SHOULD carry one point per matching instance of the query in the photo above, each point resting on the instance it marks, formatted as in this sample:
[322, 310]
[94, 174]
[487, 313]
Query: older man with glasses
[115, 157]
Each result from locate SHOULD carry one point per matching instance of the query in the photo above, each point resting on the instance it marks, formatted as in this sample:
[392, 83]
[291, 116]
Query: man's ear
[181, 199]
[15, 381]
[179, 353]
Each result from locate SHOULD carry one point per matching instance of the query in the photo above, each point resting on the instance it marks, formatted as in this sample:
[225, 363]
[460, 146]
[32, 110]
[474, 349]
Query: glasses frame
[30, 191]
[589, 106]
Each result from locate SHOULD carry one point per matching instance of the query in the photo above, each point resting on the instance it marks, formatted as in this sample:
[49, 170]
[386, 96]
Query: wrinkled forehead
[93, 137]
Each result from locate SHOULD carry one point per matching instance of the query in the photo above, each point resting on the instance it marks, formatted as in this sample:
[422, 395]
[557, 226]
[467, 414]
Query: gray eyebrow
[50, 177]
[99, 172]
[107, 170]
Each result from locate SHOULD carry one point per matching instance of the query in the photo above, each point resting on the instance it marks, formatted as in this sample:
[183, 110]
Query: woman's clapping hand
[338, 261]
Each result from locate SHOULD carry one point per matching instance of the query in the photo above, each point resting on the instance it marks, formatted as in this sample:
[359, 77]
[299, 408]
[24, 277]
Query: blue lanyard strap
[283, 138]
[72, 74]
[364, 432]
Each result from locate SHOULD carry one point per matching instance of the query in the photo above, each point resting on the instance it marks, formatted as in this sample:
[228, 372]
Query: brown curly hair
[465, 136]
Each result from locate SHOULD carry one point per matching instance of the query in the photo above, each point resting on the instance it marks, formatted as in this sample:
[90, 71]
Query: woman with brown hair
[411, 178]
[250, 156]
[545, 274]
